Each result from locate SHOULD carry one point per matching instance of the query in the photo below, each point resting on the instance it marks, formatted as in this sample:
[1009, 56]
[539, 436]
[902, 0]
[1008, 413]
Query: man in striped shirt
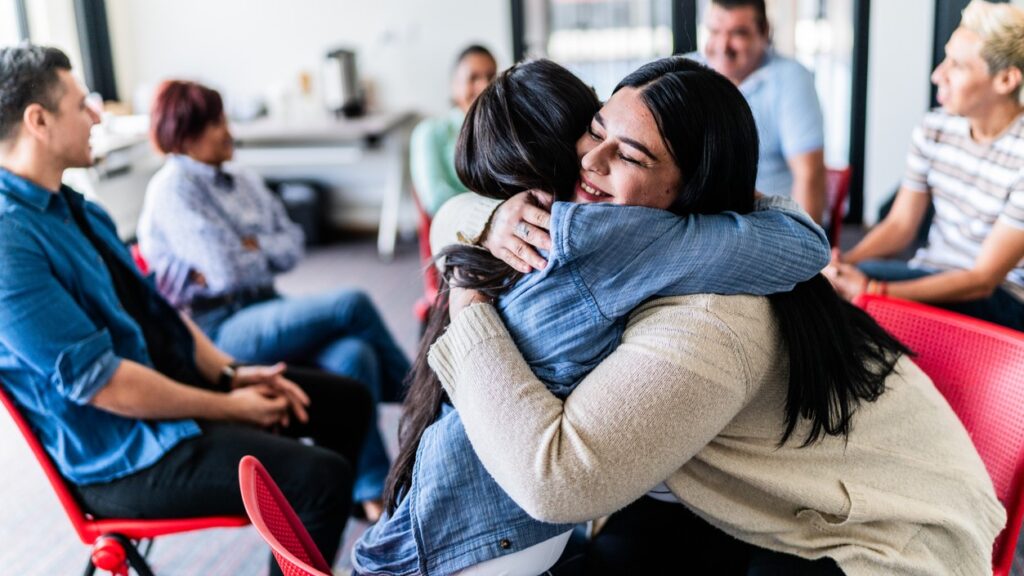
[967, 157]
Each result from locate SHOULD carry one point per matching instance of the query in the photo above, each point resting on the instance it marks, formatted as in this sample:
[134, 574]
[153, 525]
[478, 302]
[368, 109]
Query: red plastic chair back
[431, 280]
[277, 523]
[92, 531]
[979, 368]
[837, 188]
[140, 260]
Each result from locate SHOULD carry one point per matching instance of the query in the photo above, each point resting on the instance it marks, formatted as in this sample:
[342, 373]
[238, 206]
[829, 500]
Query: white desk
[375, 146]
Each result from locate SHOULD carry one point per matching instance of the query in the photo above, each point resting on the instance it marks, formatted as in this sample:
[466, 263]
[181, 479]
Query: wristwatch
[227, 375]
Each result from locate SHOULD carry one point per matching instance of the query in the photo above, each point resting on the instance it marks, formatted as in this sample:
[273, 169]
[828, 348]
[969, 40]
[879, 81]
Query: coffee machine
[342, 93]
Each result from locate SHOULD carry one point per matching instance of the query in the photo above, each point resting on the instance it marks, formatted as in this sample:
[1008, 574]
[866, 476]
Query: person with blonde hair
[968, 158]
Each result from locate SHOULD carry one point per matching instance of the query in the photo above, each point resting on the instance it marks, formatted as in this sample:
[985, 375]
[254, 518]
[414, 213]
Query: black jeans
[654, 537]
[199, 476]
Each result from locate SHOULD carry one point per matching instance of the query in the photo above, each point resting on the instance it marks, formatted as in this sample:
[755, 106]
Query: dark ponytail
[838, 357]
[520, 134]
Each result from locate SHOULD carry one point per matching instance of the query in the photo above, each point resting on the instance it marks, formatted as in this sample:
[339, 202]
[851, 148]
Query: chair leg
[135, 559]
[115, 553]
[149, 542]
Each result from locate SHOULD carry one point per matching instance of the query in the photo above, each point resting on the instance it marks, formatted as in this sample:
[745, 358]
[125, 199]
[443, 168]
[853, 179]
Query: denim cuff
[476, 324]
[85, 367]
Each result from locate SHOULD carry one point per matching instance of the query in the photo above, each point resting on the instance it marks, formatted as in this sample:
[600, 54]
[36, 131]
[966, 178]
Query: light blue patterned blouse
[194, 219]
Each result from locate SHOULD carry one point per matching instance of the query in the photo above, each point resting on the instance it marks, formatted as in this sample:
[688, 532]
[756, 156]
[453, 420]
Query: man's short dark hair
[759, 11]
[28, 75]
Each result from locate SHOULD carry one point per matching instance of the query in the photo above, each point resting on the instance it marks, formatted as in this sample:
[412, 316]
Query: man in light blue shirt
[782, 98]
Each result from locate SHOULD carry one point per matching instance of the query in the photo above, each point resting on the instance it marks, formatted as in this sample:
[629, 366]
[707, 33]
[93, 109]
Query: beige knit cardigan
[693, 397]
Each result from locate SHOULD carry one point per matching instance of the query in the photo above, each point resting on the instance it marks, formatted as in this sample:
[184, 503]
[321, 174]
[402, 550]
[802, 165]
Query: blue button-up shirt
[784, 102]
[63, 333]
[194, 222]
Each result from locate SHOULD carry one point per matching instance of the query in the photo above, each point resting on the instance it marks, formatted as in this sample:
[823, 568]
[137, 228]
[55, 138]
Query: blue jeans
[1000, 308]
[340, 332]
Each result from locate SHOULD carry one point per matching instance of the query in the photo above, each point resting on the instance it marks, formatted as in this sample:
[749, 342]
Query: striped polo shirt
[973, 186]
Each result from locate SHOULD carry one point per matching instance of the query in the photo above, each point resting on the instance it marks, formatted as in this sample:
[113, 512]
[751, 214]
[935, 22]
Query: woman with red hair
[215, 236]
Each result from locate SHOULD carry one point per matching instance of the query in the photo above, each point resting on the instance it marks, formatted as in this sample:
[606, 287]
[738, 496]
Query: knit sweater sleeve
[677, 379]
[461, 220]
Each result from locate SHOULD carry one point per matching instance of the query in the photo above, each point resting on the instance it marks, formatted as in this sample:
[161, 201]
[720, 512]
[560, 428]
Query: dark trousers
[654, 537]
[199, 476]
[1000, 308]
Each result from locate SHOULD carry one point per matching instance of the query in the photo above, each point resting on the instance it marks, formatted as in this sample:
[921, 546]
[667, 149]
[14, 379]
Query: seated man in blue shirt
[782, 98]
[141, 413]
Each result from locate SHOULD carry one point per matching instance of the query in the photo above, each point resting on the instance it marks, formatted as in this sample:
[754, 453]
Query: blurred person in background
[142, 414]
[432, 148]
[968, 158]
[215, 236]
[781, 95]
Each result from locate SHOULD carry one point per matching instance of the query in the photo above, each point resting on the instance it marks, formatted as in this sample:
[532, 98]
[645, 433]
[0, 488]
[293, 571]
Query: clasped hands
[267, 398]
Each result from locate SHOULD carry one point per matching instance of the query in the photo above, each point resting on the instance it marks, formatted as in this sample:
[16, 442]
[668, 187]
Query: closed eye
[630, 160]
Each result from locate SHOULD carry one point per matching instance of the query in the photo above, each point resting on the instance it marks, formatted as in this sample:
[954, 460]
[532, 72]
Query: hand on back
[518, 228]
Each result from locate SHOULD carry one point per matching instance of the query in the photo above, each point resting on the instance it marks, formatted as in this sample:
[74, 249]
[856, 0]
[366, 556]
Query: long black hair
[838, 355]
[519, 134]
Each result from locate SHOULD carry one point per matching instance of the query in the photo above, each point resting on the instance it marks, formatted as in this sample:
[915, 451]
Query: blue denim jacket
[63, 333]
[604, 261]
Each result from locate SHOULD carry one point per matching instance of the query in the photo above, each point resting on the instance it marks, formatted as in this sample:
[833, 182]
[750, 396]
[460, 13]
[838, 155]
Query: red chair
[430, 276]
[140, 260]
[837, 188]
[979, 368]
[112, 540]
[275, 520]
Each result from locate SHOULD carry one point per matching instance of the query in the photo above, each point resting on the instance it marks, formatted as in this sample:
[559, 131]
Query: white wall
[899, 66]
[248, 48]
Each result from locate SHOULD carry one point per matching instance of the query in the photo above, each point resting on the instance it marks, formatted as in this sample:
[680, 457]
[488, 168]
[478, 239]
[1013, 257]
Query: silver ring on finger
[522, 230]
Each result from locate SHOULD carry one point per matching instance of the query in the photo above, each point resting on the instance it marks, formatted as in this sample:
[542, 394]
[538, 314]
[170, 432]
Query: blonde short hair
[1001, 30]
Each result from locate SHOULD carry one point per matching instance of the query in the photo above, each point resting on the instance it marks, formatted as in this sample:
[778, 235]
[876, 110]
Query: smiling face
[472, 75]
[966, 86]
[736, 42]
[623, 158]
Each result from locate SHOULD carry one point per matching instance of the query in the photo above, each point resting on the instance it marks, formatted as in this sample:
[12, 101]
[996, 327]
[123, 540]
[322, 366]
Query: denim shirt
[63, 334]
[604, 261]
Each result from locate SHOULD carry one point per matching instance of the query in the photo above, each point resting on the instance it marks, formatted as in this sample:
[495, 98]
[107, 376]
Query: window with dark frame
[94, 42]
